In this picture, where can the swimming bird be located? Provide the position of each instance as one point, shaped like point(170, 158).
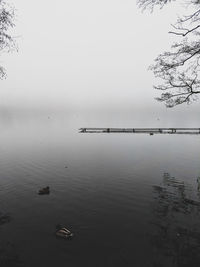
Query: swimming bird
point(44, 191)
point(64, 233)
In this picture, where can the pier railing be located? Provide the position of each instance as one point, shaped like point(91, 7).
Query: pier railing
point(142, 130)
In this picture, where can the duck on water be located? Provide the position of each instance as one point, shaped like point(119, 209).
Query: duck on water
point(63, 232)
point(44, 191)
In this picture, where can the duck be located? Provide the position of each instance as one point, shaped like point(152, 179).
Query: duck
point(64, 233)
point(44, 191)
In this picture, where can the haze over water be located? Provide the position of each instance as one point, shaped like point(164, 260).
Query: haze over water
point(129, 199)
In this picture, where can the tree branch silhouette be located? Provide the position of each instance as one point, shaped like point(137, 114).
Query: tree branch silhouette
point(6, 23)
point(179, 68)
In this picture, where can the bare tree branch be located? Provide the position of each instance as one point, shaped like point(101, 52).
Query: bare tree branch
point(6, 22)
point(179, 68)
point(187, 31)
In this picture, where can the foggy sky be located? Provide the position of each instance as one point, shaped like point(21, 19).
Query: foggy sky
point(85, 54)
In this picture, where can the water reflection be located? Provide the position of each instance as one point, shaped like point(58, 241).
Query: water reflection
point(104, 195)
point(176, 221)
point(8, 256)
point(198, 183)
point(4, 218)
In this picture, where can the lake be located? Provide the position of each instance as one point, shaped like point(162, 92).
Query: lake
point(129, 199)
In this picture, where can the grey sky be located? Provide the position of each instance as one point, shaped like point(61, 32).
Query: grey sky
point(85, 53)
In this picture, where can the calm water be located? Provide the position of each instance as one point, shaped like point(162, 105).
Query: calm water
point(130, 200)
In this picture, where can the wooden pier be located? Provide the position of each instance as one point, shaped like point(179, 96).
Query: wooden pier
point(150, 131)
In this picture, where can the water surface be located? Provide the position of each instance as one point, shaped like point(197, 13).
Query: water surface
point(130, 200)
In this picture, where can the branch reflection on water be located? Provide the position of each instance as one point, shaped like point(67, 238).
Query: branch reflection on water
point(177, 223)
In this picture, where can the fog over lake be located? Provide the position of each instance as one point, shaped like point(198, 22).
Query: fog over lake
point(85, 54)
point(129, 199)
point(124, 196)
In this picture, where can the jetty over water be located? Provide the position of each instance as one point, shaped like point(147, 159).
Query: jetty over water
point(150, 131)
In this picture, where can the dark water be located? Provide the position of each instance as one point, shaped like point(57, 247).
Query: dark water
point(130, 200)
